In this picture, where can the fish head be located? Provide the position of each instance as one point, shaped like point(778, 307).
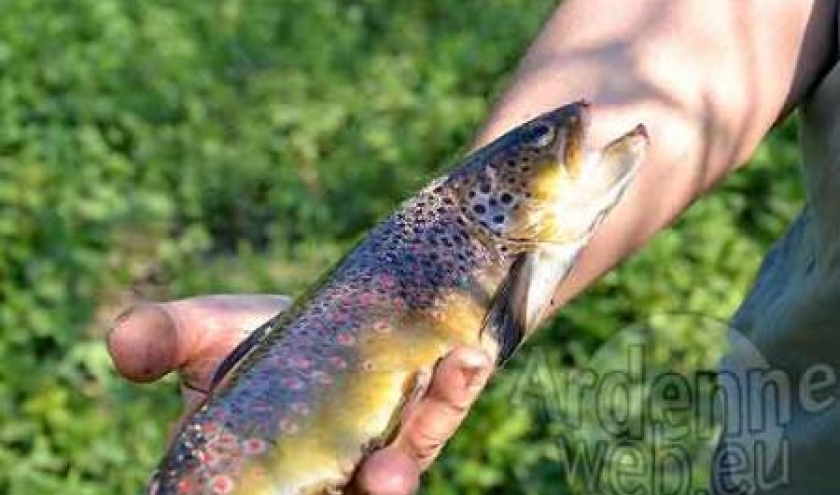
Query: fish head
point(540, 183)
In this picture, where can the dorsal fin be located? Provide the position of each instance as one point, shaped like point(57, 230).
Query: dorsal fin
point(241, 351)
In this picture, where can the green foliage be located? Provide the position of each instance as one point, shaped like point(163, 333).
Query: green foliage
point(186, 147)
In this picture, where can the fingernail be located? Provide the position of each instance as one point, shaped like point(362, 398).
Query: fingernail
point(118, 320)
point(476, 365)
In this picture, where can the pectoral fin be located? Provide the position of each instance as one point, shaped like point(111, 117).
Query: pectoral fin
point(523, 298)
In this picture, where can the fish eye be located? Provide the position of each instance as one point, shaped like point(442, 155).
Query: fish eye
point(541, 135)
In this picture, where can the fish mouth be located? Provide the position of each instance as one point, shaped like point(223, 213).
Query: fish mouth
point(604, 174)
point(604, 168)
point(618, 161)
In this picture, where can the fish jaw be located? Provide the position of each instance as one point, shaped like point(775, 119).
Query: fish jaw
point(572, 202)
point(581, 203)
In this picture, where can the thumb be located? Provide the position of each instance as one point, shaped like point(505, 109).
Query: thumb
point(150, 340)
point(143, 342)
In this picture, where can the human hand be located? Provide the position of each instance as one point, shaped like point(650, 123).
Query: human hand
point(192, 336)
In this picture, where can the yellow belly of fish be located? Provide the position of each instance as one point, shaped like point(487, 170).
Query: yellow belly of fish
point(364, 411)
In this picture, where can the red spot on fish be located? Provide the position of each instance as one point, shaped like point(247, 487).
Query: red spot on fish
point(337, 362)
point(221, 484)
point(186, 486)
point(206, 457)
point(381, 327)
point(256, 474)
point(225, 444)
point(385, 281)
point(253, 446)
point(300, 362)
point(345, 338)
point(293, 383)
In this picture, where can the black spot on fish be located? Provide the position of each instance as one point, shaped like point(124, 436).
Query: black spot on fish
point(480, 209)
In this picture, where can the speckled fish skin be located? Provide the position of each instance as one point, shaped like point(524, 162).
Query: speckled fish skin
point(320, 386)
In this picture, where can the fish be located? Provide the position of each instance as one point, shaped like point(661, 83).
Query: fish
point(473, 259)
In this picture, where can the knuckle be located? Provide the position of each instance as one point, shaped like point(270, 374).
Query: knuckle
point(458, 406)
point(426, 446)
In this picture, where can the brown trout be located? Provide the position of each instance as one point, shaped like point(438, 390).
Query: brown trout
point(473, 259)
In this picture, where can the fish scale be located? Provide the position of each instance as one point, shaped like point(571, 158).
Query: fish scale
point(297, 406)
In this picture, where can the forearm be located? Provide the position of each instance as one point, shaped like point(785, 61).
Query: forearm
point(707, 77)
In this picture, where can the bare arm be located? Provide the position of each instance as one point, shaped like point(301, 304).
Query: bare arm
point(707, 77)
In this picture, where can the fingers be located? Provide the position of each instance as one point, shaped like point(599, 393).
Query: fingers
point(388, 472)
point(456, 383)
point(192, 335)
point(427, 425)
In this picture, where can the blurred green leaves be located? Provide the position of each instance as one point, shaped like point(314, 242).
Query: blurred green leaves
point(182, 147)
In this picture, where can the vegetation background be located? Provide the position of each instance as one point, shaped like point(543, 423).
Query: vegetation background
point(168, 149)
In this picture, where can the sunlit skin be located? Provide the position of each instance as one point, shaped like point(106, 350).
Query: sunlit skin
point(709, 77)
